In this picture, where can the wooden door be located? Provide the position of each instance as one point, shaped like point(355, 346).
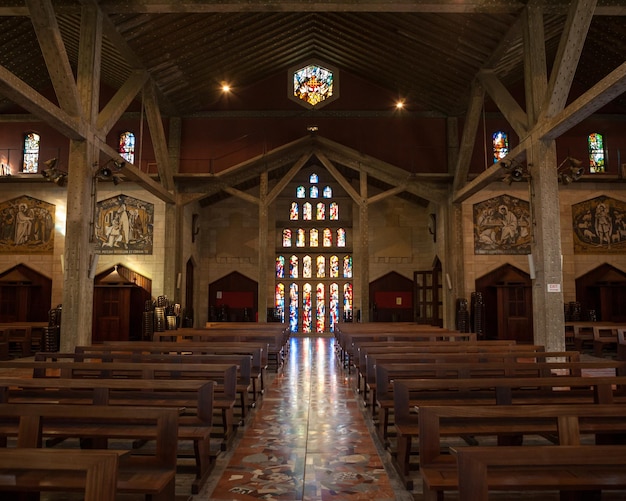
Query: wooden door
point(515, 313)
point(111, 314)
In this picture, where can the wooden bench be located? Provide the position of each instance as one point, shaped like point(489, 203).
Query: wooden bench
point(575, 469)
point(258, 352)
point(442, 427)
point(28, 470)
point(150, 472)
point(193, 397)
point(604, 335)
point(388, 372)
point(415, 393)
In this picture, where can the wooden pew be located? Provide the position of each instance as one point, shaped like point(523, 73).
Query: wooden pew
point(243, 362)
point(258, 352)
point(223, 375)
point(28, 335)
point(193, 397)
point(565, 425)
point(604, 335)
point(386, 372)
point(150, 472)
point(28, 470)
point(416, 393)
point(575, 469)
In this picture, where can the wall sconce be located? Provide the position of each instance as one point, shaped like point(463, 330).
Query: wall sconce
point(195, 227)
point(52, 174)
point(570, 170)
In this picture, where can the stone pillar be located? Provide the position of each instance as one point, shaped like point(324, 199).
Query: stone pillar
point(263, 285)
point(548, 317)
point(364, 251)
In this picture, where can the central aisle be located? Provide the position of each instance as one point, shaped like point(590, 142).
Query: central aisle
point(308, 439)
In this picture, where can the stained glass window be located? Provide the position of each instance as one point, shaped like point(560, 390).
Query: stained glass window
point(313, 238)
point(293, 307)
point(347, 301)
point(307, 211)
point(306, 308)
point(321, 211)
point(334, 267)
point(300, 239)
point(328, 192)
point(595, 142)
point(127, 146)
point(334, 211)
point(300, 192)
point(314, 192)
point(313, 84)
point(320, 316)
point(347, 267)
point(31, 153)
point(286, 237)
point(328, 237)
point(280, 267)
point(341, 237)
point(313, 178)
point(334, 305)
point(293, 267)
point(321, 266)
point(500, 145)
point(293, 212)
point(279, 301)
point(307, 267)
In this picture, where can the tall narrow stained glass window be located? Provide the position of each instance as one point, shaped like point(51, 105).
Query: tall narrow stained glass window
point(328, 192)
point(313, 237)
point(301, 238)
point(127, 146)
point(321, 267)
point(334, 305)
point(293, 267)
point(320, 312)
point(347, 301)
point(286, 237)
point(279, 301)
point(307, 211)
point(500, 142)
point(307, 267)
point(31, 153)
point(280, 267)
point(293, 307)
point(333, 208)
point(328, 237)
point(307, 314)
point(334, 267)
point(293, 212)
point(595, 144)
point(347, 267)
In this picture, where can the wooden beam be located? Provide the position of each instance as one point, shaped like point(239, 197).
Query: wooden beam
point(506, 103)
point(386, 194)
point(53, 50)
point(568, 54)
point(242, 195)
point(286, 179)
point(339, 178)
point(28, 98)
point(119, 103)
point(159, 141)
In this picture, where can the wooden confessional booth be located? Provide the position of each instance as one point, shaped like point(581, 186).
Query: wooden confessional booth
point(603, 292)
point(24, 295)
point(119, 300)
point(508, 304)
point(392, 298)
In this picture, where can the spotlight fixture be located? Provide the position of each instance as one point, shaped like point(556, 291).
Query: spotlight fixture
point(569, 170)
point(506, 164)
point(312, 128)
point(52, 174)
point(106, 172)
point(515, 171)
point(119, 165)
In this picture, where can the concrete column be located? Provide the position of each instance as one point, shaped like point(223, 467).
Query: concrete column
point(364, 251)
point(171, 252)
point(263, 285)
point(76, 327)
point(548, 317)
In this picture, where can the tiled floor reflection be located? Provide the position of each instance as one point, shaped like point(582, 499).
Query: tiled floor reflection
point(308, 440)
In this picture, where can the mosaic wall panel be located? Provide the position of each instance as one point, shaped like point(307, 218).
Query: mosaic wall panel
point(124, 225)
point(502, 226)
point(599, 226)
point(27, 226)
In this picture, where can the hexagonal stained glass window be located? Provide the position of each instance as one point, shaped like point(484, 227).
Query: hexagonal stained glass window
point(313, 85)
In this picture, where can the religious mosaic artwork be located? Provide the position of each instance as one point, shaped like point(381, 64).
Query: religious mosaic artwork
point(599, 226)
point(502, 226)
point(27, 226)
point(124, 225)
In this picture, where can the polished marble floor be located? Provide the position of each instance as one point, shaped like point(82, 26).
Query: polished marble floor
point(308, 440)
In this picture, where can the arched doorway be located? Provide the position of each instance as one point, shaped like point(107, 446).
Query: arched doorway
point(603, 291)
point(507, 295)
point(392, 298)
point(119, 300)
point(25, 295)
point(189, 296)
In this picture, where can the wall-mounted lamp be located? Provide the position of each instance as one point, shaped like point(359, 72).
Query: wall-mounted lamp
point(106, 172)
point(52, 174)
point(432, 226)
point(195, 227)
point(570, 170)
